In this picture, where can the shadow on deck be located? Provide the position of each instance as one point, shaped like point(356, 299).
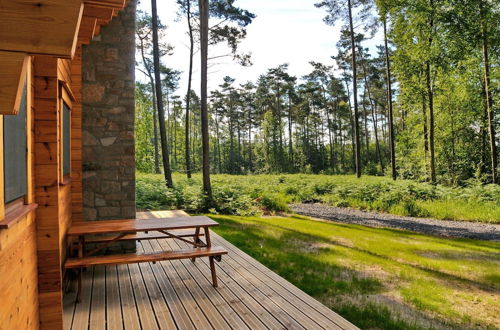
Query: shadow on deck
point(178, 294)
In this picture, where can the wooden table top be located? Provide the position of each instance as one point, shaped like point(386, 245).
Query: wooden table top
point(135, 225)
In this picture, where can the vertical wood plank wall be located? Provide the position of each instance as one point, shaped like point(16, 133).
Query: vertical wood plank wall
point(76, 137)
point(47, 191)
point(33, 250)
point(54, 199)
point(18, 260)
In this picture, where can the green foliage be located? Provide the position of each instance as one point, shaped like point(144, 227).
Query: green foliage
point(251, 194)
point(378, 278)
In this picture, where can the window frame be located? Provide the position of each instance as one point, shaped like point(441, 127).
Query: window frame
point(65, 98)
point(12, 212)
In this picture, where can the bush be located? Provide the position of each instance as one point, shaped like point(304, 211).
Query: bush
point(273, 202)
point(238, 195)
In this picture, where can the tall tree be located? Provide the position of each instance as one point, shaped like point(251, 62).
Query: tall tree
point(337, 10)
point(144, 46)
point(159, 98)
point(207, 188)
point(185, 6)
point(392, 142)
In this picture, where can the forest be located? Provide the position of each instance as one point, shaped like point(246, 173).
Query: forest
point(370, 182)
point(421, 105)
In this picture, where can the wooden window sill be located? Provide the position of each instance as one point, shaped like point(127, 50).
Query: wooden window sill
point(16, 215)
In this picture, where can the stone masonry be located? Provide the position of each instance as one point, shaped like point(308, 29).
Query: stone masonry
point(108, 120)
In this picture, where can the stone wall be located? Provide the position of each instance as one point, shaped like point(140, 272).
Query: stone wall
point(108, 120)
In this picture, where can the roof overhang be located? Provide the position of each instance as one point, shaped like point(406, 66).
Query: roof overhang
point(13, 68)
point(40, 26)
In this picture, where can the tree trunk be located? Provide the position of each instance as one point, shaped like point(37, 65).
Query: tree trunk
point(365, 120)
point(290, 134)
point(207, 187)
point(155, 124)
point(430, 95)
point(489, 99)
point(250, 164)
point(355, 95)
point(426, 133)
point(155, 128)
point(392, 144)
point(219, 157)
point(188, 94)
point(159, 98)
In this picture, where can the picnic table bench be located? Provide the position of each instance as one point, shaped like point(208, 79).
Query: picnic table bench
point(105, 233)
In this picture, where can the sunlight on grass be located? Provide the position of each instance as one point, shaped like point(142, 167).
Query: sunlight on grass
point(378, 278)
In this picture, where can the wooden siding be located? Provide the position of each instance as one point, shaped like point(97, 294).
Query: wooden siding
point(18, 254)
point(18, 266)
point(33, 248)
point(76, 137)
point(47, 191)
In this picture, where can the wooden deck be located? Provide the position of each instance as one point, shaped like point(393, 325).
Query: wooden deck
point(178, 295)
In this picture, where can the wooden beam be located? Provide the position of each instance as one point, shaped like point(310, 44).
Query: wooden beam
point(87, 29)
point(98, 12)
point(117, 4)
point(13, 69)
point(40, 26)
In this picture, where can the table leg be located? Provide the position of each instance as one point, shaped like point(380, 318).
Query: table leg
point(211, 259)
point(207, 236)
point(212, 269)
point(196, 239)
point(81, 247)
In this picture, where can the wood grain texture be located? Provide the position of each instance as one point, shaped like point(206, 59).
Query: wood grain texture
point(46, 189)
point(40, 26)
point(13, 71)
point(132, 225)
point(18, 253)
point(130, 258)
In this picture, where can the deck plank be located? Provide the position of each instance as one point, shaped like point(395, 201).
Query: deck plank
point(277, 280)
point(144, 307)
point(114, 317)
point(98, 305)
point(178, 294)
point(227, 311)
point(82, 309)
point(213, 314)
point(160, 307)
point(192, 308)
point(129, 309)
point(179, 314)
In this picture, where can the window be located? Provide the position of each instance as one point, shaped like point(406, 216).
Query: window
point(66, 140)
point(15, 153)
point(65, 113)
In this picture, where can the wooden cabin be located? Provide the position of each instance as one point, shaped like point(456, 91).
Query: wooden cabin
point(43, 115)
point(67, 155)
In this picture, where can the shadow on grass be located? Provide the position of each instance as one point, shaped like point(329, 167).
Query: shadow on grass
point(289, 254)
point(297, 257)
point(489, 287)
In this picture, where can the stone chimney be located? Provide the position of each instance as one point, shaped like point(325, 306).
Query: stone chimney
point(108, 120)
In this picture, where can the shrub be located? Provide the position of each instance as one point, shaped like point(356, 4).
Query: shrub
point(274, 202)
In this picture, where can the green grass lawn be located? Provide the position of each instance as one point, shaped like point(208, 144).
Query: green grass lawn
point(250, 194)
point(378, 278)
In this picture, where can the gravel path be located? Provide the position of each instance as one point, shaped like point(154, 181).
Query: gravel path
point(461, 229)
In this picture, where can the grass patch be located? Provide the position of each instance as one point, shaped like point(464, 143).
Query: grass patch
point(252, 194)
point(378, 278)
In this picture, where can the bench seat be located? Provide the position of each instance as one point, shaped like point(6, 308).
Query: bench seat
point(130, 258)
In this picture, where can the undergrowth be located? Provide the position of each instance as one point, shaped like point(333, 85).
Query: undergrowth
point(256, 194)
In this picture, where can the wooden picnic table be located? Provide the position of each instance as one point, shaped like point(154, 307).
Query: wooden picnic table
point(106, 233)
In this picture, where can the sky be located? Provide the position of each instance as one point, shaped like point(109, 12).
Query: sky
point(284, 31)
